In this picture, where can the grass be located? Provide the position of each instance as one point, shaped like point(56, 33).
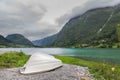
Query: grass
point(13, 59)
point(100, 71)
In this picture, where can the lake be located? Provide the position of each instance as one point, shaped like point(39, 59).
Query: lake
point(97, 54)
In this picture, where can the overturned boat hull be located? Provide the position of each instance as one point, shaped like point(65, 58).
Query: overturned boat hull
point(40, 63)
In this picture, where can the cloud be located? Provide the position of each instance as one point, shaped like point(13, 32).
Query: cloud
point(25, 17)
point(18, 17)
point(89, 4)
point(41, 30)
point(36, 19)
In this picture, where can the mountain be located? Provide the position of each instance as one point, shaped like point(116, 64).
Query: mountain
point(19, 39)
point(45, 41)
point(5, 42)
point(96, 27)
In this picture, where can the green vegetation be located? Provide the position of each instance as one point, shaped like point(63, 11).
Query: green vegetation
point(101, 71)
point(118, 31)
point(13, 59)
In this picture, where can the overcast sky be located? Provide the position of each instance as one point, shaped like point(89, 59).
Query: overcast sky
point(36, 19)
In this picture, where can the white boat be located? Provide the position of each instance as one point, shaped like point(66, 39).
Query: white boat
point(40, 62)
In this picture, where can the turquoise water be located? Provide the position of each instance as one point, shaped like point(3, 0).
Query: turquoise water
point(104, 55)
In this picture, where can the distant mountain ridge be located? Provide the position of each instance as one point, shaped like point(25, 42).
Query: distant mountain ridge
point(19, 39)
point(45, 41)
point(15, 40)
point(5, 42)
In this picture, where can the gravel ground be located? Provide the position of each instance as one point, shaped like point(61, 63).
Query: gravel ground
point(66, 72)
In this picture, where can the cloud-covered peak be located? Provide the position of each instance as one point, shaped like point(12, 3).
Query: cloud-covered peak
point(89, 4)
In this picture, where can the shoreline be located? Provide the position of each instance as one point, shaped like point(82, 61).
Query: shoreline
point(3, 52)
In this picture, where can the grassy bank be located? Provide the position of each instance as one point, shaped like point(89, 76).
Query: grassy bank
point(100, 71)
point(13, 59)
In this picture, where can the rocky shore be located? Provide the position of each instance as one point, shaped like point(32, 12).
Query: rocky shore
point(67, 72)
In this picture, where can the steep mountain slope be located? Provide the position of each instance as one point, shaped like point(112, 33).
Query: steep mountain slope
point(95, 27)
point(19, 39)
point(45, 41)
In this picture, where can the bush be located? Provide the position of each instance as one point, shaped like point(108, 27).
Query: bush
point(13, 59)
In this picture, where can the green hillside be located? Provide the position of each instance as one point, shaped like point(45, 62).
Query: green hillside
point(45, 41)
point(14, 41)
point(4, 42)
point(19, 39)
point(95, 28)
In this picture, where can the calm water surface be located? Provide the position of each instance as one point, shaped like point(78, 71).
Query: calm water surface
point(106, 55)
